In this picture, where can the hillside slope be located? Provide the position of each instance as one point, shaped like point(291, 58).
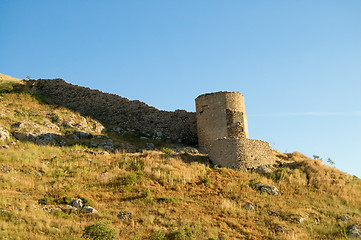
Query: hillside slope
point(53, 159)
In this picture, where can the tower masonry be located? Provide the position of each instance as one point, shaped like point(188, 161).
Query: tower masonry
point(220, 115)
point(223, 132)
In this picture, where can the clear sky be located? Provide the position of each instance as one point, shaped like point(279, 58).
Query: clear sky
point(298, 63)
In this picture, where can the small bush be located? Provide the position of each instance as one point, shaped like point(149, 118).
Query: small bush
point(254, 183)
point(66, 200)
point(166, 151)
point(206, 180)
point(158, 235)
point(277, 175)
point(40, 98)
point(188, 233)
point(99, 231)
point(86, 201)
point(147, 194)
point(127, 181)
point(166, 199)
point(6, 88)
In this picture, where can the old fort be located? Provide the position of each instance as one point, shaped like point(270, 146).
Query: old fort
point(219, 126)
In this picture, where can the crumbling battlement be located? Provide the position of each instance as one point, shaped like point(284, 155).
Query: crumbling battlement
point(223, 132)
point(120, 112)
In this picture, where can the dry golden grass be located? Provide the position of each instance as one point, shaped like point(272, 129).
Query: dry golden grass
point(172, 193)
point(5, 78)
point(165, 193)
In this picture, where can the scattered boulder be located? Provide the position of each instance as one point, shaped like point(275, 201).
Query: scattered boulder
point(302, 219)
point(124, 216)
point(354, 231)
point(51, 126)
point(78, 122)
point(150, 146)
point(269, 189)
point(82, 135)
point(51, 208)
point(272, 213)
point(263, 169)
point(73, 137)
point(191, 150)
point(6, 169)
point(280, 229)
point(89, 209)
point(345, 218)
point(107, 146)
point(32, 132)
point(4, 134)
point(76, 202)
point(68, 208)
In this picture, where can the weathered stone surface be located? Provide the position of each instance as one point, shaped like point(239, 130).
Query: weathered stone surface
point(271, 190)
point(52, 208)
point(223, 133)
point(280, 229)
point(28, 131)
point(263, 170)
point(120, 112)
point(354, 231)
point(89, 209)
point(124, 216)
point(4, 134)
point(76, 202)
point(150, 146)
point(219, 115)
point(241, 153)
point(345, 218)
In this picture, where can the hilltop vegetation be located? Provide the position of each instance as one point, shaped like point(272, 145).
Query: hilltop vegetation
point(169, 192)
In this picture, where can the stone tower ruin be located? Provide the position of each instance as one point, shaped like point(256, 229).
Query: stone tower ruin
point(223, 132)
point(220, 115)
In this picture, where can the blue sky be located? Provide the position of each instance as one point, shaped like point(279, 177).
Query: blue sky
point(298, 63)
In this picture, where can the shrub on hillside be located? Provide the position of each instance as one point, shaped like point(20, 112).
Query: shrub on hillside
point(6, 88)
point(99, 231)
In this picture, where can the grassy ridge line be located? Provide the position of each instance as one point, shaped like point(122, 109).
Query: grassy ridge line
point(5, 78)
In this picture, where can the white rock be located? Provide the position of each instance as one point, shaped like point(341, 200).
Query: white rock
point(4, 134)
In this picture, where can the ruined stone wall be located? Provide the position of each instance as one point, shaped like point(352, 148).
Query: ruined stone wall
point(120, 112)
point(219, 115)
point(241, 153)
point(223, 132)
